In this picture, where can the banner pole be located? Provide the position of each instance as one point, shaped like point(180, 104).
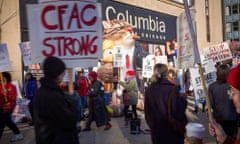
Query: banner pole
point(70, 82)
point(197, 57)
point(205, 92)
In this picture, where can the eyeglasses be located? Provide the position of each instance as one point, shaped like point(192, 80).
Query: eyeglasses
point(233, 92)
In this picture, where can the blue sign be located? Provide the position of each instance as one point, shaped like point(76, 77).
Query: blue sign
point(152, 27)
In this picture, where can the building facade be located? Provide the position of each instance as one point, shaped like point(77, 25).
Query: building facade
point(231, 17)
point(209, 19)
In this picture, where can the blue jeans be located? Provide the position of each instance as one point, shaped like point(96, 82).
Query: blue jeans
point(106, 98)
point(82, 104)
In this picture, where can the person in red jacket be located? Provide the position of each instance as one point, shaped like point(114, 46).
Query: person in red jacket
point(215, 129)
point(8, 95)
point(83, 85)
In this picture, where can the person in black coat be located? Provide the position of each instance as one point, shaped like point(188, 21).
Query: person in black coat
point(96, 106)
point(55, 112)
point(163, 131)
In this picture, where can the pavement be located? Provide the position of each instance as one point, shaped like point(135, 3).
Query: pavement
point(118, 134)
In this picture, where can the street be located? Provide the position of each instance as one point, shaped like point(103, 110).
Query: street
point(118, 134)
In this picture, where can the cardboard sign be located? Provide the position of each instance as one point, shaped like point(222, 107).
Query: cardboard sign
point(197, 83)
point(70, 30)
point(5, 64)
point(161, 59)
point(147, 68)
point(26, 51)
point(218, 52)
point(117, 57)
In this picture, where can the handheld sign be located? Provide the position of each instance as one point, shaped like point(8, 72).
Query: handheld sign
point(218, 52)
point(117, 57)
point(197, 57)
point(26, 51)
point(70, 30)
point(5, 64)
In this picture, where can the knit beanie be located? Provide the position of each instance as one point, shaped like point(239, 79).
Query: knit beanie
point(234, 77)
point(94, 75)
point(53, 67)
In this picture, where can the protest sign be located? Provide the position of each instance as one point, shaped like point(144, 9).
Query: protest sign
point(5, 64)
point(218, 52)
point(70, 30)
point(117, 56)
point(26, 51)
point(147, 68)
point(197, 83)
point(186, 56)
point(161, 59)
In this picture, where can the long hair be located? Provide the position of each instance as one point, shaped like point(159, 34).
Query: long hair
point(222, 73)
point(160, 72)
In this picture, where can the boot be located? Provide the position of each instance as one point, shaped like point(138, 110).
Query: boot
point(107, 126)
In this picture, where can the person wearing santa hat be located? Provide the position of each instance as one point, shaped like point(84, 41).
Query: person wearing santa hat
point(234, 94)
point(131, 94)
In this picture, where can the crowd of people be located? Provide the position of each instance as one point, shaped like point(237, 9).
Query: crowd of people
point(55, 112)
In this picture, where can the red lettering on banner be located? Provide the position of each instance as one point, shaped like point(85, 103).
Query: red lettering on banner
point(43, 15)
point(93, 20)
point(67, 45)
point(61, 11)
point(74, 15)
point(78, 15)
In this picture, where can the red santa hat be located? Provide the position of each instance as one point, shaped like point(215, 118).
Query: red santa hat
point(131, 72)
point(234, 77)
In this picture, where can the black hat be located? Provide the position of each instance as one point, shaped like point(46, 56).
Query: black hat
point(53, 67)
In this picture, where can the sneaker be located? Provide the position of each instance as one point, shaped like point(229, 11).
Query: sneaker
point(16, 137)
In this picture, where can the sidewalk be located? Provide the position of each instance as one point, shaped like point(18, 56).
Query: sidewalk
point(118, 134)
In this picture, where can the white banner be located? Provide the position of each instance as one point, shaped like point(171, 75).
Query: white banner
point(186, 57)
point(5, 64)
point(26, 51)
point(70, 30)
point(218, 52)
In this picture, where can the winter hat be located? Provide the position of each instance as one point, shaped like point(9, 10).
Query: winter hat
point(234, 77)
point(131, 73)
point(53, 67)
point(93, 74)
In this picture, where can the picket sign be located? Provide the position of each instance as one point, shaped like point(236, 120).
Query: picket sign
point(197, 58)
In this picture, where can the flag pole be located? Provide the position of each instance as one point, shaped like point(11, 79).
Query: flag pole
point(197, 58)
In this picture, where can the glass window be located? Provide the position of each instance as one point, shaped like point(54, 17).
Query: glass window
point(234, 1)
point(235, 17)
point(226, 2)
point(227, 10)
point(235, 9)
point(228, 27)
point(229, 36)
point(235, 34)
point(235, 26)
point(228, 18)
